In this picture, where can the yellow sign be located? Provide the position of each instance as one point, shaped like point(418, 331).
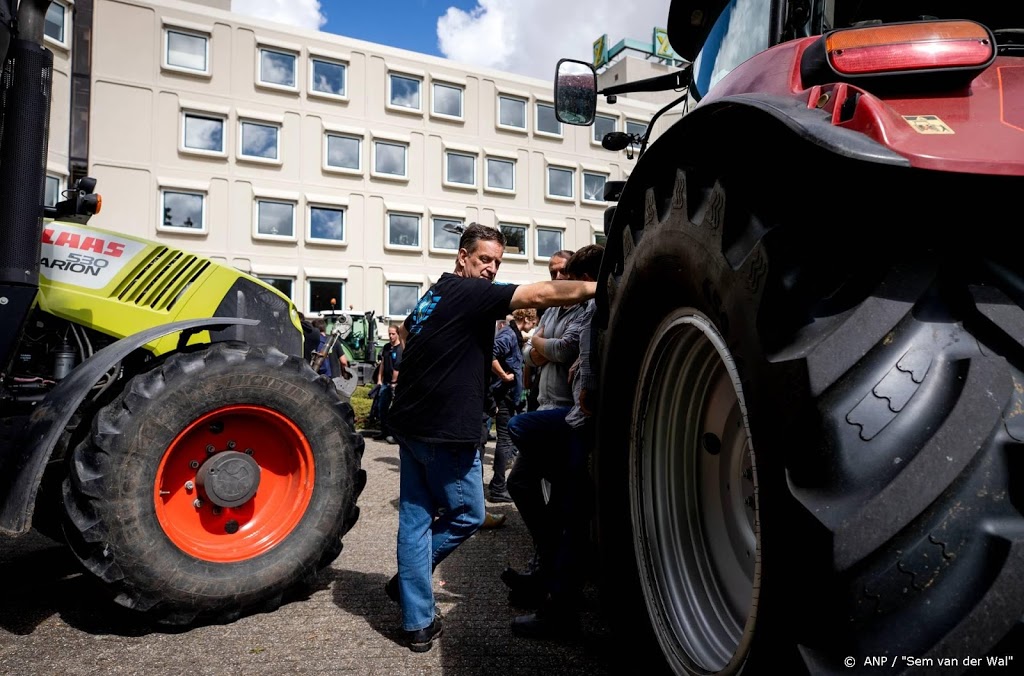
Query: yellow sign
point(600, 51)
point(928, 124)
point(662, 47)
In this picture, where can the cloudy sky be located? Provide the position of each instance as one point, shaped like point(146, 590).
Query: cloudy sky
point(519, 36)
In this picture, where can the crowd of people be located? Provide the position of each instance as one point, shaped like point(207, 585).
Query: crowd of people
point(476, 353)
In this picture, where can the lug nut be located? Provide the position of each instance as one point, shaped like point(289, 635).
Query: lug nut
point(197, 503)
point(231, 444)
point(189, 486)
point(248, 451)
point(194, 464)
point(210, 449)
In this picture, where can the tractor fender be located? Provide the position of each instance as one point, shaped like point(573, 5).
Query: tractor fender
point(24, 466)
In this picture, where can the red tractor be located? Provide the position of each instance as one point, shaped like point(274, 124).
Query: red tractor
point(810, 450)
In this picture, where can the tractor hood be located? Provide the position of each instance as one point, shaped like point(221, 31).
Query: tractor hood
point(119, 285)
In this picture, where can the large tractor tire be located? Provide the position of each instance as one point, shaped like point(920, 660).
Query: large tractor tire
point(810, 436)
point(214, 483)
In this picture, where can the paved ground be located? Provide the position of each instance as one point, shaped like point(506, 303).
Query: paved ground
point(54, 621)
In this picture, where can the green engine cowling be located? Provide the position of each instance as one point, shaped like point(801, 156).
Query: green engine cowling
point(120, 285)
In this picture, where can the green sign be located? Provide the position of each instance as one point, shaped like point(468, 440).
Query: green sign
point(601, 51)
point(662, 47)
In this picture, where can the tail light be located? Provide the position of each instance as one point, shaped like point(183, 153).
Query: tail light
point(952, 51)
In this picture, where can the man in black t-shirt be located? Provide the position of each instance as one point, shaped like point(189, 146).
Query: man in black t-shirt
point(436, 413)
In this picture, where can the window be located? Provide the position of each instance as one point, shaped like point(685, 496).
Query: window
point(52, 193)
point(547, 123)
point(593, 186)
point(447, 100)
point(402, 299)
point(259, 140)
point(501, 174)
point(560, 182)
point(203, 133)
point(403, 230)
point(322, 292)
point(441, 238)
point(183, 210)
point(637, 128)
point(54, 23)
point(724, 50)
point(515, 239)
point(327, 77)
point(186, 51)
point(343, 152)
point(275, 219)
point(404, 92)
point(603, 125)
point(327, 224)
point(549, 240)
point(512, 112)
point(282, 284)
point(460, 169)
point(390, 159)
point(277, 68)
point(600, 238)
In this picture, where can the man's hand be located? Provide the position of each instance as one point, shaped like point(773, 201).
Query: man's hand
point(509, 377)
point(584, 406)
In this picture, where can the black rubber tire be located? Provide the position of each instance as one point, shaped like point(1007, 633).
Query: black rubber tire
point(111, 522)
point(881, 384)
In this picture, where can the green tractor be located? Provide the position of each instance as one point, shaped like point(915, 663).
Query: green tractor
point(156, 411)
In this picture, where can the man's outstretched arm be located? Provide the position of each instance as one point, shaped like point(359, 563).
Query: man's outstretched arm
point(550, 293)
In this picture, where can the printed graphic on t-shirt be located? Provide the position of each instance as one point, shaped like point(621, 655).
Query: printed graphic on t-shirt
point(422, 311)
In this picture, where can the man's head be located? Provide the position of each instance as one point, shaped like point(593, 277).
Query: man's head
point(319, 324)
point(480, 252)
point(525, 318)
point(393, 335)
point(556, 264)
point(585, 264)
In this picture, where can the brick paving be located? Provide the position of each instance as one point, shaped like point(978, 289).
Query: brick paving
point(53, 620)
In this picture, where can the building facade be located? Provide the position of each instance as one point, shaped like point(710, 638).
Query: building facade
point(330, 167)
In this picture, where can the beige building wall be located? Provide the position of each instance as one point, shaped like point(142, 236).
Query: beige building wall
point(149, 104)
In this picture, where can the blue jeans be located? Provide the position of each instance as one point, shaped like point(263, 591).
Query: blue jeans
point(437, 480)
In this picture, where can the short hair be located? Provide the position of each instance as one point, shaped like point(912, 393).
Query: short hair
point(585, 262)
point(524, 314)
point(475, 232)
point(563, 253)
point(319, 324)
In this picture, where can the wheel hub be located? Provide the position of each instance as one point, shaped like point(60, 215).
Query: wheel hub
point(229, 478)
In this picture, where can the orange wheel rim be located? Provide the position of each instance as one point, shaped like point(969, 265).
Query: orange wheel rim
point(281, 459)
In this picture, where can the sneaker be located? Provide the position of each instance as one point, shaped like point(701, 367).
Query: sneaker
point(390, 439)
point(493, 521)
point(498, 496)
point(422, 640)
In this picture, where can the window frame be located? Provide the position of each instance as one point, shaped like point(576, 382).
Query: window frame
point(387, 297)
point(583, 183)
point(161, 206)
point(388, 213)
point(388, 94)
point(60, 188)
point(343, 284)
point(260, 82)
point(269, 279)
point(384, 175)
point(487, 181)
point(525, 255)
point(206, 115)
point(256, 234)
point(525, 129)
point(434, 218)
point(312, 74)
point(166, 63)
point(547, 183)
point(536, 121)
point(66, 28)
point(242, 121)
point(461, 117)
point(536, 240)
point(446, 179)
point(317, 204)
point(358, 138)
point(594, 140)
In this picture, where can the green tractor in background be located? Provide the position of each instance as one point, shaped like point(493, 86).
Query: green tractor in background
point(156, 411)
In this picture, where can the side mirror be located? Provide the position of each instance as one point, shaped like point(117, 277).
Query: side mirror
point(575, 92)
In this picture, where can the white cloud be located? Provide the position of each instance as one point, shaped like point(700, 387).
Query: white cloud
point(529, 36)
point(300, 13)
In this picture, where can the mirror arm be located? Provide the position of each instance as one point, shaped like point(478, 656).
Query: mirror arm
point(652, 84)
point(650, 125)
